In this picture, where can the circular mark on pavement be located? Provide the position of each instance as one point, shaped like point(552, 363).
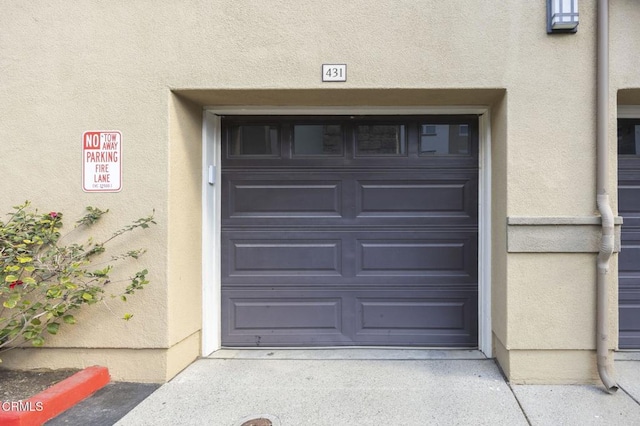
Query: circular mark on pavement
point(259, 420)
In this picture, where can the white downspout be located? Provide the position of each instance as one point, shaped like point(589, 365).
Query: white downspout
point(602, 197)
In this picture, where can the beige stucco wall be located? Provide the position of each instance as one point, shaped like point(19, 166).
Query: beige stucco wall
point(184, 220)
point(499, 288)
point(147, 69)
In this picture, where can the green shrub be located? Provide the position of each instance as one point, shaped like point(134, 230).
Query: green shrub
point(43, 282)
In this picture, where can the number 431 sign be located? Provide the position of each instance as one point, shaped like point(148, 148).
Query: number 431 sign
point(334, 72)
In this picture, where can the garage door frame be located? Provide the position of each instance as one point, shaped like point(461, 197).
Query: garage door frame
point(211, 206)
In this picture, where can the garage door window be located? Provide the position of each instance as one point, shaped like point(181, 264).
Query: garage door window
point(629, 137)
point(314, 139)
point(381, 140)
point(254, 140)
point(444, 139)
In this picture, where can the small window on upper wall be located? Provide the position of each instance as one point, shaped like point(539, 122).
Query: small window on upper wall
point(317, 139)
point(444, 139)
point(628, 137)
point(263, 140)
point(380, 139)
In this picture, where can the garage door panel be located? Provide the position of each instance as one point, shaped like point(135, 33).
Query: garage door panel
point(291, 317)
point(629, 340)
point(424, 257)
point(448, 318)
point(411, 314)
point(628, 282)
point(629, 257)
point(417, 198)
point(286, 313)
point(285, 257)
point(359, 198)
point(339, 257)
point(630, 192)
point(299, 317)
point(629, 314)
point(629, 207)
point(273, 198)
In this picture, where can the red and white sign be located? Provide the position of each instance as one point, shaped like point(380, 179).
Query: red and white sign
point(102, 161)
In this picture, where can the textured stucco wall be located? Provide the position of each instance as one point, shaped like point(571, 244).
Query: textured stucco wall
point(184, 220)
point(624, 44)
point(499, 196)
point(65, 69)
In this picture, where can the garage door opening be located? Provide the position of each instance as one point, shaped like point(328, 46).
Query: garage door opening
point(349, 231)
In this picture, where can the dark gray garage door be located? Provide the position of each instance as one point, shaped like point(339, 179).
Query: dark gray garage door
point(629, 208)
point(349, 231)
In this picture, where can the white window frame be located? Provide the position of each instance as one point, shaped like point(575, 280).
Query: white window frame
point(211, 207)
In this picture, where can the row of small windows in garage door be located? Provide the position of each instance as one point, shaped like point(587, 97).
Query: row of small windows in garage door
point(305, 139)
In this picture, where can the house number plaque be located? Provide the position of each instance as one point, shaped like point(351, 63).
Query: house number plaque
point(334, 72)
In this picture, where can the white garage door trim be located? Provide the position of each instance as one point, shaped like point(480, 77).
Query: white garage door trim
point(211, 202)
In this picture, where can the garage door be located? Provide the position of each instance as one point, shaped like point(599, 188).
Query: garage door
point(354, 231)
point(629, 209)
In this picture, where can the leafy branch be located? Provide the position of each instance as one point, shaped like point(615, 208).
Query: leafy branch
point(43, 282)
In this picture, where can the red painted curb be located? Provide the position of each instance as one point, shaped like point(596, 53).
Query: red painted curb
point(53, 401)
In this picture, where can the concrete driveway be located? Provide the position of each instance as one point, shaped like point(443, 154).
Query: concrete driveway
point(371, 387)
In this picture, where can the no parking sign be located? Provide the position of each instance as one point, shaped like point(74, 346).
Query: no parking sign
point(102, 161)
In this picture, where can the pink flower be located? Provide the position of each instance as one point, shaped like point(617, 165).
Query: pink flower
point(15, 283)
point(53, 215)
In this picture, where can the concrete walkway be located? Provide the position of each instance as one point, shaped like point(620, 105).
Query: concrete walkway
point(365, 387)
